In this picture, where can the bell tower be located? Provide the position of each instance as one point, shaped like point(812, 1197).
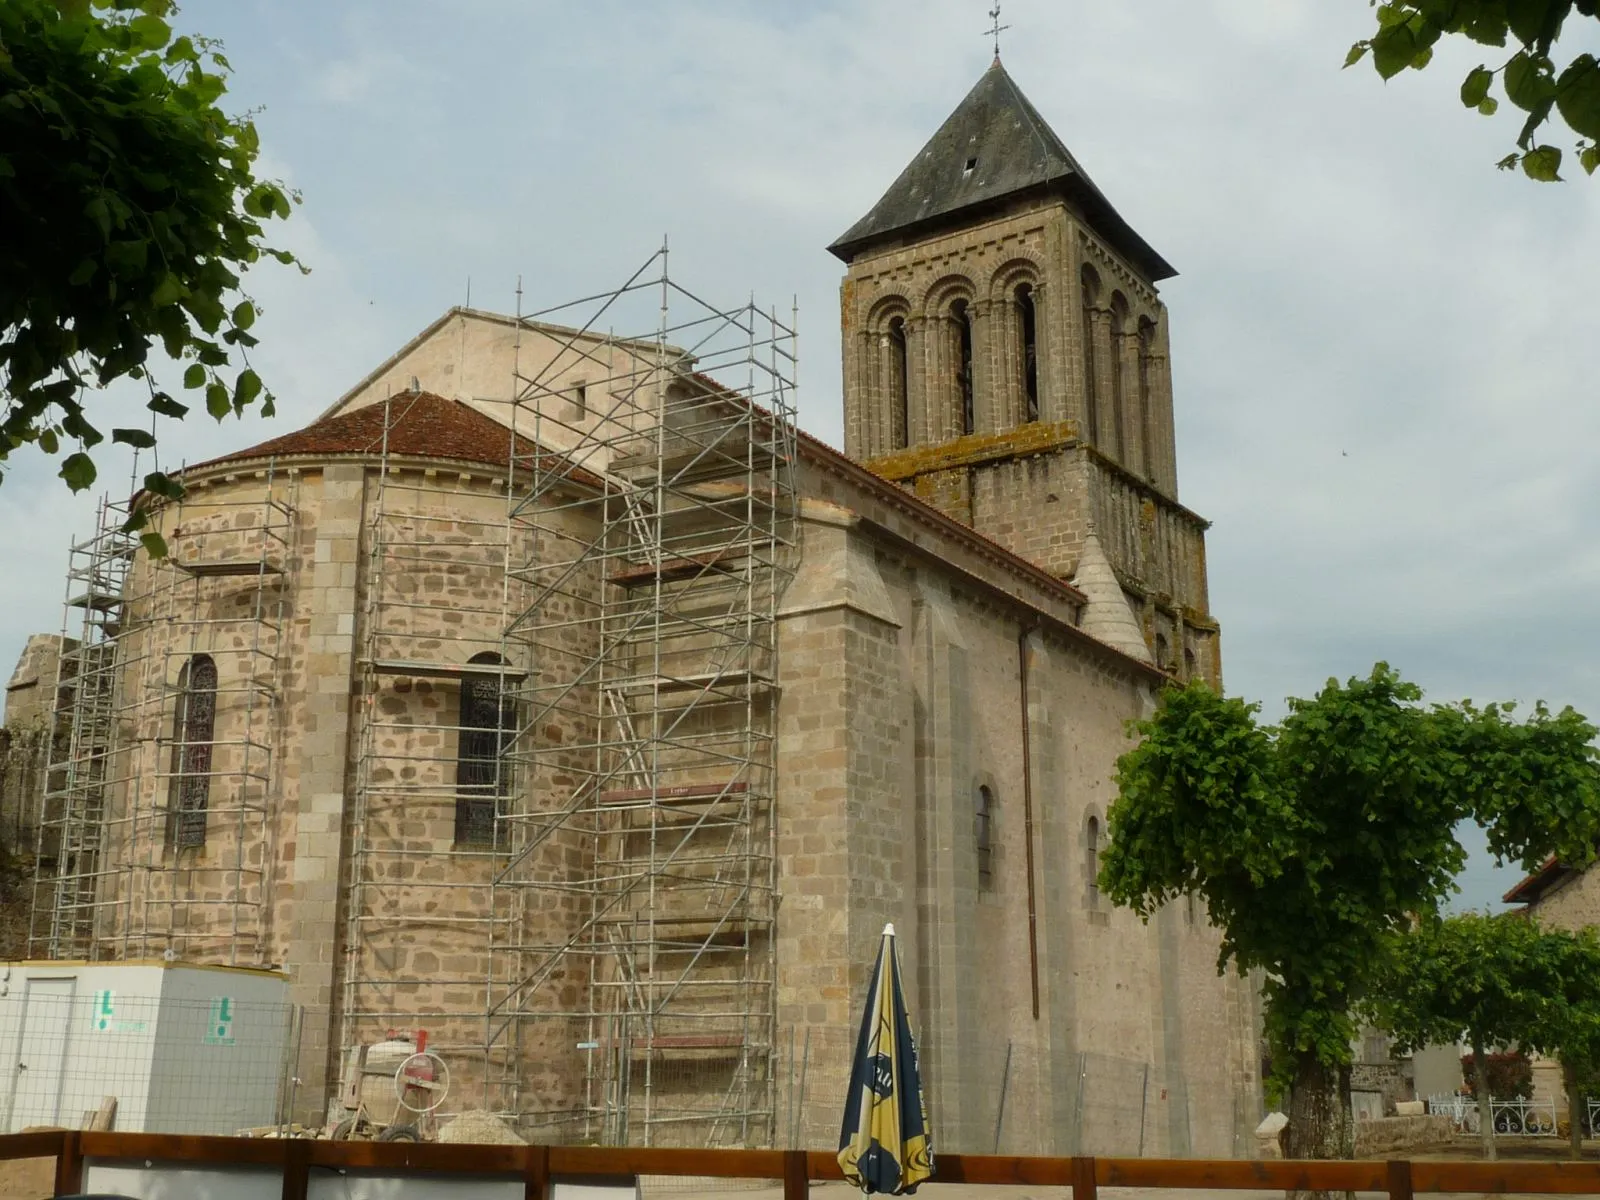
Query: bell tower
point(1005, 358)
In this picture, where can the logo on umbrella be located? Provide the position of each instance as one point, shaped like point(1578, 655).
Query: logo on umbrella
point(881, 1074)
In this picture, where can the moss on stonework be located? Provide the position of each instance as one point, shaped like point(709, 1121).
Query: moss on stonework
point(1037, 437)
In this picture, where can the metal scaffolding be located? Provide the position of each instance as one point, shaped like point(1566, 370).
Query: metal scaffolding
point(632, 902)
point(156, 833)
point(72, 809)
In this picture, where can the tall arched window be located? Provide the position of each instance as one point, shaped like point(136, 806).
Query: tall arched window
point(984, 836)
point(1091, 862)
point(899, 385)
point(1188, 664)
point(194, 722)
point(1163, 652)
point(961, 315)
point(1091, 399)
point(486, 725)
point(1028, 331)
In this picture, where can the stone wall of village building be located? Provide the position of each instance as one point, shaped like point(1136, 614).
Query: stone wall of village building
point(1574, 903)
point(901, 700)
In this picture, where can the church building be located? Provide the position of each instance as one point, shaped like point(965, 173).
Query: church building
point(553, 693)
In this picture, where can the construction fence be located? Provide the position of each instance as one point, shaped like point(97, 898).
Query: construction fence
point(149, 1065)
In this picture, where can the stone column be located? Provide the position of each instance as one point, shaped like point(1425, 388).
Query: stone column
point(842, 807)
point(940, 390)
point(919, 355)
point(949, 991)
point(1052, 386)
point(991, 383)
point(318, 820)
point(1109, 423)
point(861, 399)
point(1159, 372)
point(1055, 826)
point(1133, 448)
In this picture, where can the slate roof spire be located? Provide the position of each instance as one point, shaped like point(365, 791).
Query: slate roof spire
point(993, 147)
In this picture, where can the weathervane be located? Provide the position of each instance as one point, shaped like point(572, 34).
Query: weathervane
point(996, 29)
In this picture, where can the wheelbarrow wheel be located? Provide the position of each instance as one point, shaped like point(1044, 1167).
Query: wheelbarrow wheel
point(400, 1133)
point(350, 1129)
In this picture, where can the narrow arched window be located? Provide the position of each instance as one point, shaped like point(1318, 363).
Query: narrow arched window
point(1091, 862)
point(1091, 398)
point(961, 314)
point(984, 836)
point(899, 386)
point(1163, 652)
point(486, 726)
point(1188, 664)
point(194, 722)
point(1028, 332)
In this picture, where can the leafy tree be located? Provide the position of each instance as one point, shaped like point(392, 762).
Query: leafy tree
point(130, 206)
point(1315, 841)
point(1529, 74)
point(1569, 1025)
point(1479, 979)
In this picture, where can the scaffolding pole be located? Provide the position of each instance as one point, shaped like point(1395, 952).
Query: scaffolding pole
point(631, 992)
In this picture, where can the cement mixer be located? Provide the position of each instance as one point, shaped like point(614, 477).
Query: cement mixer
point(399, 1075)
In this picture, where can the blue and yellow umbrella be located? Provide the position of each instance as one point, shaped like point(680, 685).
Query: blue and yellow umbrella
point(883, 1144)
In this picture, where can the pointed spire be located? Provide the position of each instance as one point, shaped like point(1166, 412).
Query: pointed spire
point(994, 146)
point(1107, 617)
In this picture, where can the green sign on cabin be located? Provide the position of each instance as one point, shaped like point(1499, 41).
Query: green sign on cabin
point(220, 1031)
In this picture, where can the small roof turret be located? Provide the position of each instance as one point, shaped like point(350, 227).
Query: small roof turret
point(993, 147)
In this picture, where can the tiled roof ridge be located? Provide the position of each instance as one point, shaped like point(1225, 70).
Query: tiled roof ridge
point(461, 433)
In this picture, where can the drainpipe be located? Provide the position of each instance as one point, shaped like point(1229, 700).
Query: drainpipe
point(1027, 815)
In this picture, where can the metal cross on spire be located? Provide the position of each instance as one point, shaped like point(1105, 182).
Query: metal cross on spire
point(996, 29)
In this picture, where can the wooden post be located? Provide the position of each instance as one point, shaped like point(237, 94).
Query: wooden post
point(296, 1168)
point(536, 1173)
point(69, 1164)
point(796, 1175)
point(1084, 1186)
point(1399, 1179)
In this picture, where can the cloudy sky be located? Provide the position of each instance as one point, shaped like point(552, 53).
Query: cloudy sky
point(1382, 346)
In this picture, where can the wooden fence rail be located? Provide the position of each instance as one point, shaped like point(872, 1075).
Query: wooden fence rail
point(536, 1165)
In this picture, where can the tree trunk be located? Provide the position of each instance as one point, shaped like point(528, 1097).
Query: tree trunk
point(1319, 1116)
point(1480, 1077)
point(1575, 1106)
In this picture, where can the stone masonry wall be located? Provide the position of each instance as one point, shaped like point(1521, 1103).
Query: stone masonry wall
point(935, 690)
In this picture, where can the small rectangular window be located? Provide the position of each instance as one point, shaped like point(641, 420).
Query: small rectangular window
point(580, 400)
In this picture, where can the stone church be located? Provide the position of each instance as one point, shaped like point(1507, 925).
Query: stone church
point(552, 693)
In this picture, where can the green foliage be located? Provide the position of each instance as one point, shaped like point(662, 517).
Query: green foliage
point(1475, 978)
point(1314, 843)
point(1510, 1075)
point(130, 207)
point(1529, 75)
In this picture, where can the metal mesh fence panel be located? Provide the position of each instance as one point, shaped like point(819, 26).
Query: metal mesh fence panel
point(143, 1064)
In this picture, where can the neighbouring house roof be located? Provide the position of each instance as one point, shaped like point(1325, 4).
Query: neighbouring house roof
point(419, 424)
point(994, 146)
point(1534, 888)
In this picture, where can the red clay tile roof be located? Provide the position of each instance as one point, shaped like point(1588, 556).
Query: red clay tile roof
point(1531, 890)
point(424, 425)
